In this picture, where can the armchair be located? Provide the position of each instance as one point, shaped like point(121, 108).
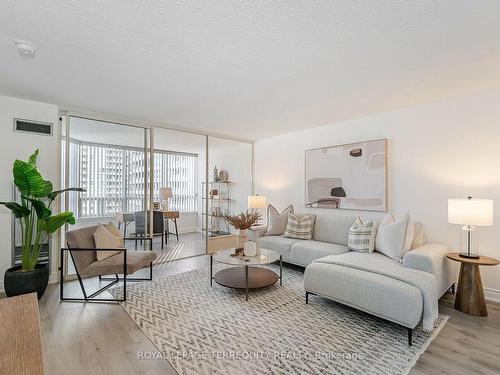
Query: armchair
point(81, 247)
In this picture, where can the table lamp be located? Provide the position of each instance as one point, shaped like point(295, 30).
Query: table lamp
point(165, 194)
point(256, 202)
point(470, 213)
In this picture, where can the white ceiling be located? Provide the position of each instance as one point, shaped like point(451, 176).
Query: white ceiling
point(250, 69)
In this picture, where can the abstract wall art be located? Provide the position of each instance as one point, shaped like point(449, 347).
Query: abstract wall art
point(352, 176)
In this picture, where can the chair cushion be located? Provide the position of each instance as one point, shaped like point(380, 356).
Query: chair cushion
point(305, 252)
point(136, 260)
point(82, 239)
point(278, 243)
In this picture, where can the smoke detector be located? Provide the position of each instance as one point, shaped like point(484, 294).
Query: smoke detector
point(25, 49)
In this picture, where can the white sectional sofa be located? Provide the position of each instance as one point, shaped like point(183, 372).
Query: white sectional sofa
point(376, 291)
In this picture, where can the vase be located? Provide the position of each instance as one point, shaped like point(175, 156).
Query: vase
point(17, 282)
point(242, 237)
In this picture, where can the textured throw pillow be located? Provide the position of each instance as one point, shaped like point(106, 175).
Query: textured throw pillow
point(276, 222)
point(362, 236)
point(394, 237)
point(301, 229)
point(104, 239)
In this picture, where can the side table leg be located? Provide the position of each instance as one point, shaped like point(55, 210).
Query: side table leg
point(211, 267)
point(246, 283)
point(470, 296)
point(281, 270)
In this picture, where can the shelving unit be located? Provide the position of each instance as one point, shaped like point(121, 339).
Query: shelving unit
point(219, 204)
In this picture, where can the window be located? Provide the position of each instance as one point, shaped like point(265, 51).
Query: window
point(113, 177)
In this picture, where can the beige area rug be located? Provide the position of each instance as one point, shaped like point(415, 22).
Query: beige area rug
point(203, 329)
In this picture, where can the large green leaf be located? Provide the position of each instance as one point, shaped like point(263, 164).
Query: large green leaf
point(48, 188)
point(33, 158)
point(18, 210)
point(55, 222)
point(28, 180)
point(40, 208)
point(55, 193)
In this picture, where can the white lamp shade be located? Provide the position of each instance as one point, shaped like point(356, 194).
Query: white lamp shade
point(256, 201)
point(165, 192)
point(470, 211)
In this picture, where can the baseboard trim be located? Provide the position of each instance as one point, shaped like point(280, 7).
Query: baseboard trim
point(492, 295)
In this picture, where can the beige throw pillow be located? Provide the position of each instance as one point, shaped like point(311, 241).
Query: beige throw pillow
point(299, 228)
point(276, 222)
point(104, 239)
point(114, 230)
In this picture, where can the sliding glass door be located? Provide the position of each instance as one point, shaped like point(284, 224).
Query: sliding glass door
point(179, 176)
point(169, 190)
point(111, 162)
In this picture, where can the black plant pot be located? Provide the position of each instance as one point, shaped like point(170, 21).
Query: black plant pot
point(17, 282)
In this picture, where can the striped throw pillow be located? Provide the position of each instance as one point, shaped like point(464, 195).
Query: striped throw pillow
point(362, 236)
point(301, 229)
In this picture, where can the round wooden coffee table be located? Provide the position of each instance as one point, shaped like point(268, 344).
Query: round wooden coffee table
point(246, 274)
point(470, 295)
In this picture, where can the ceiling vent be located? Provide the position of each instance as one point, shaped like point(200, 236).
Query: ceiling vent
point(36, 127)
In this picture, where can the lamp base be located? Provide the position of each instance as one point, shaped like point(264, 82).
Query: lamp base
point(472, 256)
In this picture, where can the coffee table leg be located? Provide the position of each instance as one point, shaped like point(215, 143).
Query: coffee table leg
point(281, 270)
point(211, 266)
point(246, 283)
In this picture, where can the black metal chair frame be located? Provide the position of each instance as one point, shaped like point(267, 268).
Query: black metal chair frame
point(115, 280)
point(410, 330)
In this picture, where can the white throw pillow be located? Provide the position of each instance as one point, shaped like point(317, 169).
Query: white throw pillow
point(104, 239)
point(394, 237)
point(276, 221)
point(362, 236)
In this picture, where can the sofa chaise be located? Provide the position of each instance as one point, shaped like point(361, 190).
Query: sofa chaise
point(383, 287)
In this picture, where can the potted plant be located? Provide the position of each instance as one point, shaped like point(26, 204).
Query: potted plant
point(37, 223)
point(242, 222)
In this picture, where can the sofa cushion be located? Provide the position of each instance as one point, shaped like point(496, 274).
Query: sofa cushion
point(373, 293)
point(280, 244)
point(276, 221)
point(333, 228)
point(305, 252)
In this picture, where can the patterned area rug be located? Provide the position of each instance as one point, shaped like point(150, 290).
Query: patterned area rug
point(212, 330)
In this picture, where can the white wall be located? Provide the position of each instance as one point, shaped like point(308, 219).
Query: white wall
point(235, 158)
point(15, 145)
point(441, 150)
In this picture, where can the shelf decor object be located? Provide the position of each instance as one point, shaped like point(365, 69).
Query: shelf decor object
point(165, 195)
point(470, 213)
point(218, 203)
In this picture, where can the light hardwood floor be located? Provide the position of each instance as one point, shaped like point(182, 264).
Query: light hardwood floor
point(100, 338)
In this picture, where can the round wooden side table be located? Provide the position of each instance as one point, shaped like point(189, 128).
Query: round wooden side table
point(470, 295)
